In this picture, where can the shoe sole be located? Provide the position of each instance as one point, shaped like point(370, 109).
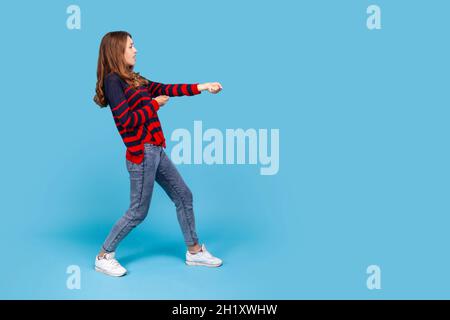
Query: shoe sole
point(108, 273)
point(194, 263)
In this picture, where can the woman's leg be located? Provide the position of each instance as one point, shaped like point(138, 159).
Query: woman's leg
point(142, 177)
point(168, 177)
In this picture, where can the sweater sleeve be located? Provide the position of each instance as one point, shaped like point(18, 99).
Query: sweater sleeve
point(117, 101)
point(172, 90)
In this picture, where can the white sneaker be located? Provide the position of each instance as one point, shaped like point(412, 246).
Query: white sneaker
point(202, 258)
point(109, 265)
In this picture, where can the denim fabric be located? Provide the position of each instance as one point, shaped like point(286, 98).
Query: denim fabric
point(156, 166)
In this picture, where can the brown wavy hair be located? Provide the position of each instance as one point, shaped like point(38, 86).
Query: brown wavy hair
point(111, 59)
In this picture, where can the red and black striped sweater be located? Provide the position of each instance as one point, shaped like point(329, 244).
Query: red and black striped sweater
point(135, 111)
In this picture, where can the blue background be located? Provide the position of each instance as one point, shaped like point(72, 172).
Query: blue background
point(363, 179)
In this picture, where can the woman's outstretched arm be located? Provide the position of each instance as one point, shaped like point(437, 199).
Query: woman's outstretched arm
point(181, 89)
point(172, 90)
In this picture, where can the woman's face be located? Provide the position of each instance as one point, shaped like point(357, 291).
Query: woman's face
point(130, 52)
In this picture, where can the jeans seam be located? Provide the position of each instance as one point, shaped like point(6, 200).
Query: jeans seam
point(184, 210)
point(133, 218)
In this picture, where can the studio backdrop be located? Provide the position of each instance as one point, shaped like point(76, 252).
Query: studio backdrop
point(320, 171)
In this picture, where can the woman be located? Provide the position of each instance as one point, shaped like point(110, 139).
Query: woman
point(134, 102)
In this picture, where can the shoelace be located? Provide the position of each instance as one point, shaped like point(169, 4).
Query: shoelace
point(205, 253)
point(114, 262)
point(111, 261)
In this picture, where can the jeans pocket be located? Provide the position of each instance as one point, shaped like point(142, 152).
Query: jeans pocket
point(134, 167)
point(136, 173)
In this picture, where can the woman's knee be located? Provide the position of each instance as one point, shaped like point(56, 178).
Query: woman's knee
point(136, 216)
point(187, 194)
point(183, 196)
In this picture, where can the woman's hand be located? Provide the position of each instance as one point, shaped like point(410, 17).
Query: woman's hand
point(162, 100)
point(213, 87)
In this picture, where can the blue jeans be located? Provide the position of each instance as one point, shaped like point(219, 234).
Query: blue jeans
point(156, 166)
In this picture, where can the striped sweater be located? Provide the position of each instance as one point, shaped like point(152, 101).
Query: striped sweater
point(135, 111)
